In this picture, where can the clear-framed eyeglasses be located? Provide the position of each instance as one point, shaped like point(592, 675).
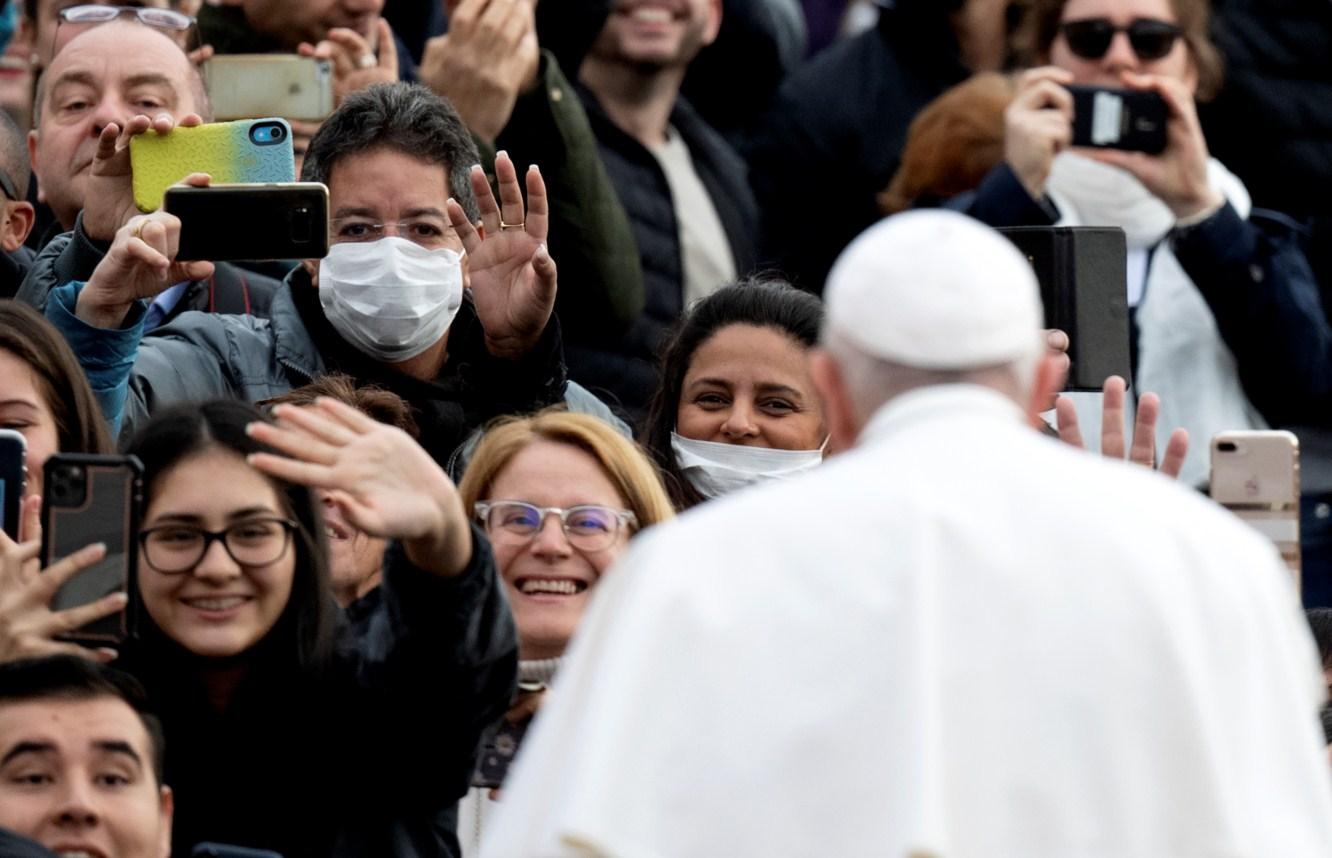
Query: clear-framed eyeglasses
point(75, 19)
point(175, 548)
point(588, 527)
point(428, 230)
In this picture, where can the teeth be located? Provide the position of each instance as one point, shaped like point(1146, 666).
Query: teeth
point(651, 15)
point(216, 604)
point(562, 588)
point(333, 534)
point(75, 855)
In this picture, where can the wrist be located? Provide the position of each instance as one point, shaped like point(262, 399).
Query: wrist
point(94, 307)
point(1197, 207)
point(446, 548)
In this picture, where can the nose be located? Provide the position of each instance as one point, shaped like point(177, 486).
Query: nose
point(216, 565)
point(1120, 56)
point(110, 109)
point(739, 423)
point(76, 808)
point(550, 540)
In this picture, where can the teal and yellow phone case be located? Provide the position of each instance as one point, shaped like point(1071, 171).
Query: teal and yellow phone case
point(249, 151)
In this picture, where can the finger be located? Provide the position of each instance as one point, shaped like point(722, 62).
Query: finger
point(1056, 340)
point(30, 526)
point(511, 195)
point(157, 236)
point(350, 41)
point(296, 444)
point(388, 48)
point(352, 418)
point(62, 622)
point(485, 200)
point(43, 649)
point(201, 54)
point(319, 425)
point(196, 180)
point(198, 270)
point(138, 124)
point(163, 123)
point(300, 473)
point(1112, 417)
point(1066, 421)
point(190, 120)
point(518, 20)
point(463, 18)
point(1143, 447)
point(106, 142)
point(66, 568)
point(344, 63)
point(141, 253)
point(1177, 449)
point(305, 49)
point(538, 206)
point(466, 230)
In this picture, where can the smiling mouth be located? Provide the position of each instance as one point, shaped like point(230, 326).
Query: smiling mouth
point(549, 586)
point(79, 853)
point(336, 532)
point(217, 603)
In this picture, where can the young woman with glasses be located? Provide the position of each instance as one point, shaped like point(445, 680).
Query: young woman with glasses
point(287, 731)
point(1218, 298)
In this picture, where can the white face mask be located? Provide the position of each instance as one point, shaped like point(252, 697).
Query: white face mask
point(390, 298)
point(715, 469)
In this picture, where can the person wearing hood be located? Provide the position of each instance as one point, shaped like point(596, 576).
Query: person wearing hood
point(1227, 323)
point(431, 289)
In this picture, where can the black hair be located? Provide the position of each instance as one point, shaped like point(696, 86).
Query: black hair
point(1320, 623)
point(303, 635)
point(1327, 724)
point(69, 677)
point(80, 426)
point(765, 302)
point(407, 118)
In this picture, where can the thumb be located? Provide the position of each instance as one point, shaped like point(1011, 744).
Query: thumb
point(547, 276)
point(388, 48)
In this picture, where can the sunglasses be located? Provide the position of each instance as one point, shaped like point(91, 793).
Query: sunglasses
point(1090, 38)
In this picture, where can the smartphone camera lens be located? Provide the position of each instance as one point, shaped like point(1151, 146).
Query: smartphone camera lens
point(268, 134)
point(1227, 447)
point(67, 485)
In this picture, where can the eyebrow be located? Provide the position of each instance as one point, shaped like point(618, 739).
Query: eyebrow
point(25, 748)
point(26, 403)
point(191, 518)
point(150, 79)
point(371, 213)
point(118, 747)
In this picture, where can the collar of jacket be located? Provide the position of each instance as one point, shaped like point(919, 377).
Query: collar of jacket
point(943, 402)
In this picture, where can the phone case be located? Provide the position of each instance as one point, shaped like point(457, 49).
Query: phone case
point(288, 221)
point(245, 86)
point(13, 477)
point(1256, 475)
point(1119, 119)
point(228, 151)
point(100, 506)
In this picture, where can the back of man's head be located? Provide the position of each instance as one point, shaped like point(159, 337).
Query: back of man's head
point(930, 298)
point(14, 155)
point(402, 117)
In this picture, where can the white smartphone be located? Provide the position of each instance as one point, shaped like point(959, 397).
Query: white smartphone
point(256, 86)
point(1256, 475)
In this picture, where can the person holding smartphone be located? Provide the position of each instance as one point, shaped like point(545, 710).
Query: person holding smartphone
point(1229, 330)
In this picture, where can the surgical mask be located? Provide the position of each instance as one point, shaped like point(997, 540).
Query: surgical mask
point(716, 469)
point(391, 298)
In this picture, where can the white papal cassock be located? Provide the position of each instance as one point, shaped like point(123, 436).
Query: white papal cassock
point(961, 639)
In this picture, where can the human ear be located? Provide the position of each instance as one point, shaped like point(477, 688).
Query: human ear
point(839, 414)
point(19, 218)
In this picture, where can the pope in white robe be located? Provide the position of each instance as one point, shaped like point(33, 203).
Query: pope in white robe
point(958, 639)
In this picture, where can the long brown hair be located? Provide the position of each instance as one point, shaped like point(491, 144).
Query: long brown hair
point(80, 426)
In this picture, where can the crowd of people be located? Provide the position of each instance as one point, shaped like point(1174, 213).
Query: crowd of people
point(669, 456)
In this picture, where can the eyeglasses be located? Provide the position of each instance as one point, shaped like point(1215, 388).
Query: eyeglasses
point(588, 527)
point(167, 20)
point(1150, 38)
point(174, 548)
point(427, 231)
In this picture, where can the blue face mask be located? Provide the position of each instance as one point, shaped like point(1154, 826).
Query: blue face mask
point(8, 23)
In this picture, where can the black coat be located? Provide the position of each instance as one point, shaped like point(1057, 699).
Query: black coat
point(625, 367)
point(832, 139)
point(365, 758)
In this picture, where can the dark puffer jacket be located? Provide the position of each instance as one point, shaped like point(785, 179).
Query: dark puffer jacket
point(623, 369)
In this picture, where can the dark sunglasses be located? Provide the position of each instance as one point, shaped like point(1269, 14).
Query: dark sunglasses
point(1090, 38)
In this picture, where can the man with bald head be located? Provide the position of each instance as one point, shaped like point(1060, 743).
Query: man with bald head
point(957, 638)
point(88, 100)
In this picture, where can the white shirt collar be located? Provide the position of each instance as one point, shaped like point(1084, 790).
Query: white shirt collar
point(939, 402)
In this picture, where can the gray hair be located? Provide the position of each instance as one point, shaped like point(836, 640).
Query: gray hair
point(405, 117)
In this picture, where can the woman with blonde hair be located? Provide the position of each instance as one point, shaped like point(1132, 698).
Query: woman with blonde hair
point(559, 494)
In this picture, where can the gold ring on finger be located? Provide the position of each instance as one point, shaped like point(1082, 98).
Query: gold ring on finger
point(137, 232)
point(522, 224)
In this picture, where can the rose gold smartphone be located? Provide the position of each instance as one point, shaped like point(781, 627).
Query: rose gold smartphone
point(1256, 475)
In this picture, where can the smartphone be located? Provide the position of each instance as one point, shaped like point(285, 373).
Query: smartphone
point(88, 499)
point(13, 478)
point(1256, 475)
point(251, 222)
point(250, 86)
point(253, 151)
point(221, 850)
point(1133, 120)
point(497, 753)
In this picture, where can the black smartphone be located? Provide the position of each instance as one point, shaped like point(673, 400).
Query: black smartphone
point(88, 499)
point(221, 850)
point(1133, 120)
point(13, 478)
point(497, 753)
point(251, 222)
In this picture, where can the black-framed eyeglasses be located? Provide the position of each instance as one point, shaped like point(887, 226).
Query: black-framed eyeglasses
point(1150, 38)
point(588, 527)
point(8, 187)
point(169, 21)
point(175, 548)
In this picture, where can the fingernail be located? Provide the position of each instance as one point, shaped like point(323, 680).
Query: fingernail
point(476, 168)
point(502, 153)
point(534, 169)
point(120, 598)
